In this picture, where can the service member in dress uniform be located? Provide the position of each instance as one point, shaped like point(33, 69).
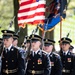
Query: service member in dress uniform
point(1, 47)
point(15, 44)
point(12, 63)
point(56, 65)
point(27, 45)
point(68, 58)
point(15, 40)
point(38, 61)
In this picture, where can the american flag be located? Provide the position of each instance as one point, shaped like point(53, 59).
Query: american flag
point(31, 12)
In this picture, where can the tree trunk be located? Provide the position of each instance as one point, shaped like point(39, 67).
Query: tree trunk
point(22, 32)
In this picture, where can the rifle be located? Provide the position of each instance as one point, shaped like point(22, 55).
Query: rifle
point(28, 51)
point(11, 22)
point(18, 30)
point(68, 34)
point(35, 30)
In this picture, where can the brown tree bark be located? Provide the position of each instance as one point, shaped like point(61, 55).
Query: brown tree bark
point(22, 32)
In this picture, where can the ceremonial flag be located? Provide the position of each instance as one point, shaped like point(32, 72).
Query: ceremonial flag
point(63, 8)
point(31, 12)
point(50, 23)
point(56, 8)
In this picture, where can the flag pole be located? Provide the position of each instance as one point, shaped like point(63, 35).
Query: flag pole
point(44, 32)
point(60, 27)
point(61, 13)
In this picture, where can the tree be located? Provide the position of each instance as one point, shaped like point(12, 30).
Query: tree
point(22, 32)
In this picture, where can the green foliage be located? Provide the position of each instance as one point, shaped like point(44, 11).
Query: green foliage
point(6, 13)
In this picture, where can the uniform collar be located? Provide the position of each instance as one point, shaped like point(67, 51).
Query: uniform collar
point(9, 47)
point(66, 52)
point(49, 54)
point(36, 51)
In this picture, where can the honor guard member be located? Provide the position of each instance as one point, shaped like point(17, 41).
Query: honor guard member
point(67, 58)
point(15, 40)
point(1, 48)
point(56, 65)
point(38, 61)
point(15, 44)
point(12, 63)
point(1, 45)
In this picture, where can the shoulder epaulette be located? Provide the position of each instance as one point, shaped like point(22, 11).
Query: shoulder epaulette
point(44, 52)
point(56, 54)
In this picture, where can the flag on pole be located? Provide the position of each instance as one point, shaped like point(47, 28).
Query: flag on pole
point(53, 7)
point(63, 8)
point(31, 12)
point(52, 22)
point(56, 8)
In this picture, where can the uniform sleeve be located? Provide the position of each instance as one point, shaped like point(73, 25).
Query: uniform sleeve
point(47, 69)
point(58, 65)
point(73, 69)
point(21, 65)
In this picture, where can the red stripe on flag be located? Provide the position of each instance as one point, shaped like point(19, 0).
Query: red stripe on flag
point(27, 2)
point(31, 16)
point(31, 9)
point(31, 12)
point(33, 23)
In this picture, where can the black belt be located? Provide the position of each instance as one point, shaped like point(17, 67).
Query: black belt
point(36, 72)
point(9, 71)
point(65, 71)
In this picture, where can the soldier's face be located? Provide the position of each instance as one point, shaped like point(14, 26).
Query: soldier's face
point(65, 47)
point(35, 45)
point(8, 42)
point(27, 45)
point(48, 48)
point(15, 42)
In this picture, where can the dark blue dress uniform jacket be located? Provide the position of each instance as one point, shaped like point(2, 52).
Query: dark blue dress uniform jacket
point(68, 62)
point(38, 64)
point(12, 63)
point(56, 64)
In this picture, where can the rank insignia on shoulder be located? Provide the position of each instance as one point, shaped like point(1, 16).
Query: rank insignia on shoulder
point(39, 61)
point(56, 54)
point(69, 59)
point(39, 53)
point(44, 52)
